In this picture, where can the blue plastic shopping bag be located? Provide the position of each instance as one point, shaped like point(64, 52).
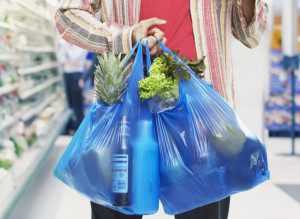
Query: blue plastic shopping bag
point(206, 152)
point(113, 158)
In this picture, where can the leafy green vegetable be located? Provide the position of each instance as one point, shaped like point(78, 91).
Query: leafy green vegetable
point(19, 148)
point(156, 84)
point(198, 66)
point(175, 69)
point(163, 82)
point(6, 164)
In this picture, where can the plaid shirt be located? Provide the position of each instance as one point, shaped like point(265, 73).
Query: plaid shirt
point(213, 23)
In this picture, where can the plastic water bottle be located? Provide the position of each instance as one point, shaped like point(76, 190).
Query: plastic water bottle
point(145, 169)
point(121, 167)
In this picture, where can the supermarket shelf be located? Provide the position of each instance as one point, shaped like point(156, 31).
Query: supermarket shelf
point(38, 68)
point(24, 95)
point(8, 58)
point(29, 165)
point(37, 110)
point(282, 108)
point(8, 123)
point(31, 29)
point(7, 26)
point(7, 180)
point(23, 162)
point(282, 133)
point(8, 88)
point(35, 49)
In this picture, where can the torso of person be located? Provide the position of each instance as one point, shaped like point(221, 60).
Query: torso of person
point(179, 29)
point(211, 22)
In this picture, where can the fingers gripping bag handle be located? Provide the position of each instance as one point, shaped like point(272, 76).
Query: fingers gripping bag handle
point(148, 58)
point(107, 142)
point(206, 152)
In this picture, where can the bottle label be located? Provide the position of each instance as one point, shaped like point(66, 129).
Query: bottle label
point(120, 173)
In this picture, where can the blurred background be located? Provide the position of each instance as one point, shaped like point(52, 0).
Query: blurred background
point(36, 122)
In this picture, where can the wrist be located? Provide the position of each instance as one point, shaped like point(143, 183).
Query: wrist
point(134, 37)
point(122, 42)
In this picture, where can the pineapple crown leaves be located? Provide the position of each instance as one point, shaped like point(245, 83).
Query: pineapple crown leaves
point(111, 77)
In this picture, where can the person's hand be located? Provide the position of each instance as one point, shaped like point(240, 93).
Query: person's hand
point(154, 48)
point(81, 83)
point(141, 30)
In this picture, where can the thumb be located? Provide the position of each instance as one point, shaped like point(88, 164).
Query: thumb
point(152, 22)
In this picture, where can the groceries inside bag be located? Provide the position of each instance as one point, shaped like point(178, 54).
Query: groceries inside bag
point(167, 135)
point(206, 152)
point(113, 158)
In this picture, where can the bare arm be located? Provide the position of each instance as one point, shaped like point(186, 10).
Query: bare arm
point(249, 21)
point(248, 7)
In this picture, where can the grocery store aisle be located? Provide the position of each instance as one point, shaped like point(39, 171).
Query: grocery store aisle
point(279, 198)
point(48, 198)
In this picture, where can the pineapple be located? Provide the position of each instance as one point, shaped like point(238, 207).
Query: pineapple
point(111, 78)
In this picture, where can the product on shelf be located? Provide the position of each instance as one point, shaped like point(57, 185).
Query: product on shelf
point(278, 118)
point(19, 140)
point(31, 102)
point(7, 154)
point(278, 106)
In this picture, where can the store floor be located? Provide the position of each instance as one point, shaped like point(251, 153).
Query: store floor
point(48, 198)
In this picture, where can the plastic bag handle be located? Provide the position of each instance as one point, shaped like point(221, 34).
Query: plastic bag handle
point(132, 95)
point(139, 58)
point(134, 48)
point(148, 58)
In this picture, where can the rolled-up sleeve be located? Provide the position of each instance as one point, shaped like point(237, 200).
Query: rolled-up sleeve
point(249, 34)
point(76, 23)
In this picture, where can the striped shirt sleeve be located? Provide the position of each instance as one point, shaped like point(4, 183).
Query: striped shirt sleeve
point(76, 23)
point(249, 34)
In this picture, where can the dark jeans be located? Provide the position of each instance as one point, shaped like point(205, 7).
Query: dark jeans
point(217, 210)
point(74, 98)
